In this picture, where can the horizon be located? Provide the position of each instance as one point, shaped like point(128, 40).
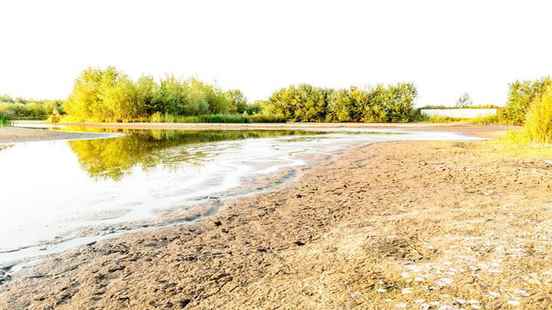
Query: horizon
point(445, 49)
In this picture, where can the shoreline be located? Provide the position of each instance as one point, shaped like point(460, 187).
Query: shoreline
point(12, 135)
point(380, 225)
point(28, 131)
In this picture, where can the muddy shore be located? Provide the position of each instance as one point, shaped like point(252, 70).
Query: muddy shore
point(19, 134)
point(382, 226)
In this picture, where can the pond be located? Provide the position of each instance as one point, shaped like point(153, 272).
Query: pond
point(60, 194)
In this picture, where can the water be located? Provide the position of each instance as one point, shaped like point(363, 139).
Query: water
point(60, 194)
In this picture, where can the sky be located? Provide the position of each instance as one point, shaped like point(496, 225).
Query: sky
point(446, 48)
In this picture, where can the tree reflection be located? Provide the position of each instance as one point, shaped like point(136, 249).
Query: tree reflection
point(114, 158)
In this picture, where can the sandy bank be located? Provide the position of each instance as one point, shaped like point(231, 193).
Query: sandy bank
point(403, 224)
point(17, 134)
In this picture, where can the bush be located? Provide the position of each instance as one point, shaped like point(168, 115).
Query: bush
point(306, 103)
point(444, 107)
point(538, 124)
point(30, 110)
point(521, 95)
point(110, 95)
point(4, 120)
point(216, 118)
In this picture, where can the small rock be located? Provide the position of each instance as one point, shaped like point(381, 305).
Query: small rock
point(522, 293)
point(443, 282)
point(184, 302)
point(493, 295)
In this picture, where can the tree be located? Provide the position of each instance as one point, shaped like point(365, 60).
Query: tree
point(520, 96)
point(464, 101)
point(236, 100)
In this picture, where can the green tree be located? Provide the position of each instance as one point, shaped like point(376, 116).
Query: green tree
point(520, 97)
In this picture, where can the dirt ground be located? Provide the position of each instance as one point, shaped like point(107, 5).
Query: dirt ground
point(412, 225)
point(17, 134)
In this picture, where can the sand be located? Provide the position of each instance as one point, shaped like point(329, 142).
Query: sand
point(393, 225)
point(18, 134)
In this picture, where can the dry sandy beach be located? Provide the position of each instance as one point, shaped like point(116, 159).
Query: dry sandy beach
point(21, 134)
point(413, 225)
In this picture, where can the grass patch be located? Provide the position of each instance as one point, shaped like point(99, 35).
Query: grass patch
point(481, 120)
point(445, 107)
point(207, 118)
point(215, 118)
point(4, 120)
point(538, 124)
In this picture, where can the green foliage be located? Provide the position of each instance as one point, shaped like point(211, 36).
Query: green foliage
point(485, 120)
point(302, 103)
point(444, 107)
point(306, 103)
point(538, 125)
point(436, 119)
point(520, 97)
point(30, 110)
point(215, 118)
point(480, 120)
point(104, 95)
point(4, 120)
point(109, 95)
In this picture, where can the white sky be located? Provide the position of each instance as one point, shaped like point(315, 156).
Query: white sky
point(445, 47)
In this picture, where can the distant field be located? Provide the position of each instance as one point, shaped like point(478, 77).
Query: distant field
point(459, 113)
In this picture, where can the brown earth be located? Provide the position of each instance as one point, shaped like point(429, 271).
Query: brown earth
point(18, 134)
point(423, 225)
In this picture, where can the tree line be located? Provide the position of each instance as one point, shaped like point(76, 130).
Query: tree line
point(109, 95)
point(307, 103)
point(30, 109)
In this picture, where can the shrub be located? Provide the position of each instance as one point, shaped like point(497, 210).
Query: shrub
point(4, 120)
point(538, 124)
point(30, 110)
point(110, 95)
point(306, 103)
point(521, 95)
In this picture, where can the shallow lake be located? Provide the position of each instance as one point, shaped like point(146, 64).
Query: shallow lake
point(61, 194)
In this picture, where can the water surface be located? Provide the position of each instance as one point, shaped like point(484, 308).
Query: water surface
point(57, 194)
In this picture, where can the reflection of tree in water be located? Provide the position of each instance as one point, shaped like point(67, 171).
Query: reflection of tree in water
point(113, 158)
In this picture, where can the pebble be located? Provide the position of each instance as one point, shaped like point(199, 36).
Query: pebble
point(443, 282)
point(493, 295)
point(522, 293)
point(406, 290)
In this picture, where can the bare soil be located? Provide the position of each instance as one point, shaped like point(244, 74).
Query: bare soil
point(18, 134)
point(413, 225)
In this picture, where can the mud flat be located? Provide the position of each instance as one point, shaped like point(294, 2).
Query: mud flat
point(397, 224)
point(20, 134)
